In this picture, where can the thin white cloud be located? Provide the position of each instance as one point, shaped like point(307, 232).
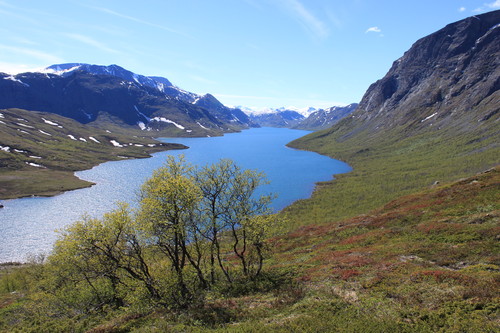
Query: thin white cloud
point(25, 41)
point(8, 34)
point(6, 4)
point(92, 42)
point(33, 53)
point(493, 5)
point(311, 23)
point(19, 17)
point(334, 19)
point(373, 29)
point(487, 6)
point(137, 20)
point(461, 9)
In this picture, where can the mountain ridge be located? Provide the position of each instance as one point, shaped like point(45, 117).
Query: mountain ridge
point(285, 118)
point(84, 92)
point(311, 119)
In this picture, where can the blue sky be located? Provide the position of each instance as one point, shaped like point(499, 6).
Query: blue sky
point(255, 53)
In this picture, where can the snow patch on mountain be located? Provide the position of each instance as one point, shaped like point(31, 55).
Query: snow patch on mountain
point(50, 122)
point(116, 143)
point(58, 70)
point(13, 78)
point(165, 120)
point(201, 125)
point(429, 117)
point(24, 125)
point(45, 133)
point(35, 165)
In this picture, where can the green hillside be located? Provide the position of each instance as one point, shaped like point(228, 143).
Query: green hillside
point(40, 151)
point(390, 164)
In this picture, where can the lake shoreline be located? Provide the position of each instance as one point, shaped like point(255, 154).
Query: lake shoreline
point(29, 223)
point(68, 179)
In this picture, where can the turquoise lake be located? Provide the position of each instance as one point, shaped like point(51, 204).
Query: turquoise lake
point(27, 226)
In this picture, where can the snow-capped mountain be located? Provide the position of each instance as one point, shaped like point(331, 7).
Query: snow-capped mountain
point(309, 118)
point(93, 93)
point(157, 82)
point(114, 70)
point(287, 119)
point(263, 110)
point(325, 118)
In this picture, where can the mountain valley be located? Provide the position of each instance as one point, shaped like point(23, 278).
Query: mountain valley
point(408, 241)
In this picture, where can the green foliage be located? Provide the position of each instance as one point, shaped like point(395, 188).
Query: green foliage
point(196, 232)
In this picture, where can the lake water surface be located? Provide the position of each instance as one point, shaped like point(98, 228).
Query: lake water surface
point(27, 226)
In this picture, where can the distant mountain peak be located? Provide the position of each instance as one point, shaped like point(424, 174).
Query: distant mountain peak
point(65, 69)
point(325, 118)
point(267, 110)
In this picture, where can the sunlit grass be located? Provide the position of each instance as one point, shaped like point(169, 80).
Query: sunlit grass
point(387, 168)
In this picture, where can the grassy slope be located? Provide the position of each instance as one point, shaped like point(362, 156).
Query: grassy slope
point(390, 164)
point(59, 154)
point(426, 262)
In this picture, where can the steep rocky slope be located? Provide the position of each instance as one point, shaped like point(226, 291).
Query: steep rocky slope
point(449, 78)
point(446, 84)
